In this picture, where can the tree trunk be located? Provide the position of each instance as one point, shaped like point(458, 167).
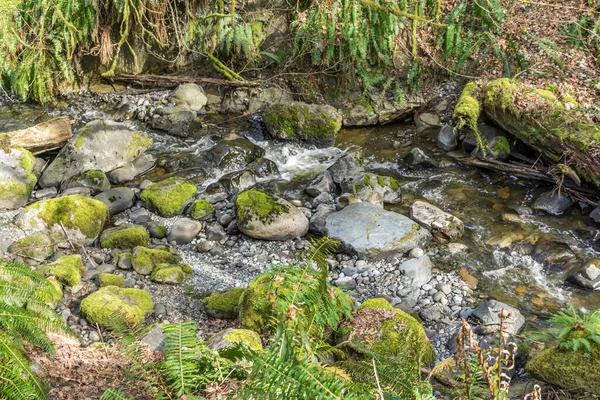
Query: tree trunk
point(43, 137)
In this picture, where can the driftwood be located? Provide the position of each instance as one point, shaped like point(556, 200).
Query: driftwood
point(43, 137)
point(167, 81)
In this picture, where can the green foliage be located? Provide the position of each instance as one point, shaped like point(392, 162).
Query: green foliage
point(24, 317)
point(576, 331)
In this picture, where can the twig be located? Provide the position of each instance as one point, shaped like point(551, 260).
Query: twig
point(102, 340)
point(380, 395)
point(85, 253)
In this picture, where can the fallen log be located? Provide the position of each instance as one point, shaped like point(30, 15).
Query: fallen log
point(46, 136)
point(167, 81)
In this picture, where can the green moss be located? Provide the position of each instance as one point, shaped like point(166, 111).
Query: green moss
point(112, 307)
point(110, 280)
point(567, 369)
point(81, 137)
point(53, 295)
point(224, 303)
point(144, 259)
point(299, 122)
point(37, 247)
point(381, 181)
point(22, 188)
point(162, 230)
point(169, 273)
point(170, 196)
point(501, 145)
point(256, 204)
point(468, 108)
point(139, 143)
point(551, 88)
point(244, 336)
point(201, 209)
point(126, 237)
point(568, 98)
point(67, 269)
point(394, 184)
point(367, 181)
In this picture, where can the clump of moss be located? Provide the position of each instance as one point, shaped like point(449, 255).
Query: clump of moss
point(162, 231)
point(201, 210)
point(171, 273)
point(244, 336)
point(169, 197)
point(256, 204)
point(224, 304)
point(367, 181)
point(33, 248)
point(501, 147)
point(467, 112)
point(124, 237)
point(110, 280)
point(95, 180)
point(144, 259)
point(52, 295)
point(113, 307)
point(67, 269)
point(15, 192)
point(394, 184)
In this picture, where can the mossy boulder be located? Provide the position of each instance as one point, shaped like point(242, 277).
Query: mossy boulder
point(112, 307)
point(67, 269)
point(388, 331)
point(223, 305)
point(201, 210)
point(232, 338)
point(386, 186)
point(100, 145)
point(82, 218)
point(144, 260)
point(264, 216)
point(104, 279)
point(33, 249)
point(124, 237)
point(171, 273)
point(567, 369)
point(95, 180)
point(52, 295)
point(169, 197)
point(312, 123)
point(16, 177)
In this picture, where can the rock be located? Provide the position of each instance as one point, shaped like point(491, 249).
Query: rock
point(345, 200)
point(109, 280)
point(124, 237)
point(455, 248)
point(588, 276)
point(263, 168)
point(347, 168)
point(232, 338)
point(439, 222)
point(82, 218)
point(100, 145)
point(91, 273)
point(154, 339)
point(317, 220)
point(418, 270)
point(387, 187)
point(33, 249)
point(157, 231)
point(47, 193)
point(130, 171)
point(435, 313)
point(176, 121)
point(68, 270)
point(202, 210)
point(418, 158)
point(488, 314)
point(203, 246)
point(357, 110)
point(223, 305)
point(261, 215)
point(446, 139)
point(95, 180)
point(81, 191)
point(427, 122)
point(416, 252)
point(117, 200)
point(184, 230)
point(370, 231)
point(113, 307)
point(189, 95)
point(595, 215)
point(171, 273)
point(263, 97)
point(555, 255)
point(169, 197)
point(16, 177)
point(144, 259)
point(553, 203)
point(236, 182)
point(235, 154)
point(345, 283)
point(215, 232)
point(323, 183)
point(312, 123)
point(123, 261)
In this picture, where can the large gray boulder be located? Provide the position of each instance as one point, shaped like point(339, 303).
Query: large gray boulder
point(100, 145)
point(443, 225)
point(117, 200)
point(16, 177)
point(190, 96)
point(129, 171)
point(373, 232)
point(489, 313)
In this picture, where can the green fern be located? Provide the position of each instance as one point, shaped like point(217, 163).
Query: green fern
point(575, 331)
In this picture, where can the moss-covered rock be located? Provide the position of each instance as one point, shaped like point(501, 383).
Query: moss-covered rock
point(110, 280)
point(232, 338)
point(53, 295)
point(123, 260)
point(383, 329)
point(144, 259)
point(568, 369)
point(312, 123)
point(224, 304)
point(201, 210)
point(386, 186)
point(16, 177)
point(95, 180)
point(82, 218)
point(171, 273)
point(67, 269)
point(112, 307)
point(124, 237)
point(169, 197)
point(33, 249)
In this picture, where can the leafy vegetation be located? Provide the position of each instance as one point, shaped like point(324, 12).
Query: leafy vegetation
point(576, 331)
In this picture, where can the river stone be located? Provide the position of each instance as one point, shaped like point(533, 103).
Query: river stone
point(371, 231)
point(236, 182)
point(235, 154)
point(124, 237)
point(129, 171)
point(82, 218)
point(184, 230)
point(347, 168)
point(261, 98)
point(33, 249)
point(81, 191)
point(418, 270)
point(263, 167)
point(387, 187)
point(189, 95)
point(262, 215)
point(47, 193)
point(312, 123)
point(488, 314)
point(555, 255)
point(117, 200)
point(442, 224)
point(427, 122)
point(446, 139)
point(417, 158)
point(317, 220)
point(95, 180)
point(588, 276)
point(323, 183)
point(553, 203)
point(16, 177)
point(101, 144)
point(176, 121)
point(169, 197)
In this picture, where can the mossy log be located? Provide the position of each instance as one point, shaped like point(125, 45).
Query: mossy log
point(540, 120)
point(40, 138)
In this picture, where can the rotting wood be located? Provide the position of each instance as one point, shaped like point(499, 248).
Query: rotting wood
point(46, 136)
point(167, 81)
